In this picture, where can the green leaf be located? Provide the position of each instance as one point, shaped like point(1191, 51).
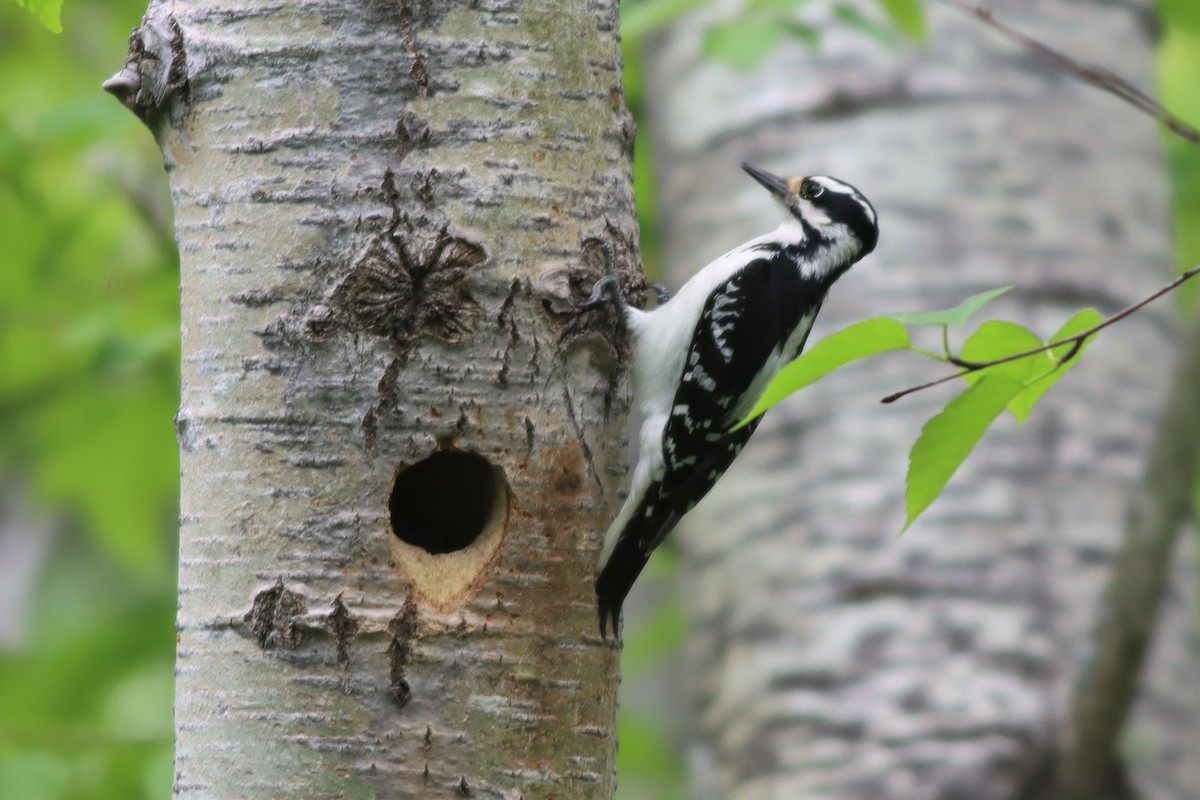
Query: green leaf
point(909, 17)
point(1080, 322)
point(951, 316)
point(996, 339)
point(109, 458)
point(862, 339)
point(1178, 54)
point(47, 12)
point(851, 16)
point(638, 19)
point(948, 438)
point(1184, 14)
point(1048, 371)
point(741, 43)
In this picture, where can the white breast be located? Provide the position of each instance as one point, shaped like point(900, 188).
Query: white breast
point(662, 336)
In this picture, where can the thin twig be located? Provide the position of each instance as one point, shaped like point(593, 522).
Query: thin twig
point(1097, 76)
point(1075, 341)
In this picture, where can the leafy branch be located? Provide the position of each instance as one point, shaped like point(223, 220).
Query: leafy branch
point(1075, 343)
point(998, 361)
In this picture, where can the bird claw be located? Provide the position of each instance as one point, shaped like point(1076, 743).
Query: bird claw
point(661, 293)
point(605, 290)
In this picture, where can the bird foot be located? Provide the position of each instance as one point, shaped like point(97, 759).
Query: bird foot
point(607, 289)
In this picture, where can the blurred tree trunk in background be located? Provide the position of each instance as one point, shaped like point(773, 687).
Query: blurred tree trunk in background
point(831, 659)
point(381, 209)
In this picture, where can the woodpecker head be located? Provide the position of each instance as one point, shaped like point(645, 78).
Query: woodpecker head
point(828, 206)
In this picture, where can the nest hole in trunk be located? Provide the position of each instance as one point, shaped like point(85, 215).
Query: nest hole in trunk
point(444, 502)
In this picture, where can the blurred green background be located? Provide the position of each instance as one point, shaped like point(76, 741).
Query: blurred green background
point(89, 352)
point(89, 358)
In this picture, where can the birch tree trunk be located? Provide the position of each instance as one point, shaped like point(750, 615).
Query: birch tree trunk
point(831, 659)
point(397, 436)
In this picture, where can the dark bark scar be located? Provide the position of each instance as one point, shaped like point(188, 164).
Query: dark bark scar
point(412, 133)
point(370, 427)
point(342, 625)
point(386, 404)
point(272, 617)
point(403, 628)
point(580, 437)
point(418, 71)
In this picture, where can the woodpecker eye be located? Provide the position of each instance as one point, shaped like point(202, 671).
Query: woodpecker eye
point(811, 190)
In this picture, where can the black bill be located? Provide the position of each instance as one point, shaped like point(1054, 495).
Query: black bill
point(772, 183)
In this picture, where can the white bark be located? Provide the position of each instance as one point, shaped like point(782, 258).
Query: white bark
point(831, 659)
point(381, 209)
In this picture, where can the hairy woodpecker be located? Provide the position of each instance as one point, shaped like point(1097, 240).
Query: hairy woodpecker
point(702, 358)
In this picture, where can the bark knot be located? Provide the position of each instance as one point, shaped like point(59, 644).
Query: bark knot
point(412, 279)
point(272, 617)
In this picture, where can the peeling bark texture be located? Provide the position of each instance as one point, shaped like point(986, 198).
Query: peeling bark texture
point(830, 658)
point(382, 210)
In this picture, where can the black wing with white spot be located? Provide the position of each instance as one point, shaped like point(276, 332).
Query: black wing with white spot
point(752, 316)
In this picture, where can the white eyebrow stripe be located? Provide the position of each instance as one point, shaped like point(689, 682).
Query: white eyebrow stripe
point(833, 184)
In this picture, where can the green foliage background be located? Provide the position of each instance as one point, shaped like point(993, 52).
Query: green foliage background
point(89, 383)
point(89, 359)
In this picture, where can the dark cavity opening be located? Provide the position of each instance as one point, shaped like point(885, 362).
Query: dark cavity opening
point(443, 503)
